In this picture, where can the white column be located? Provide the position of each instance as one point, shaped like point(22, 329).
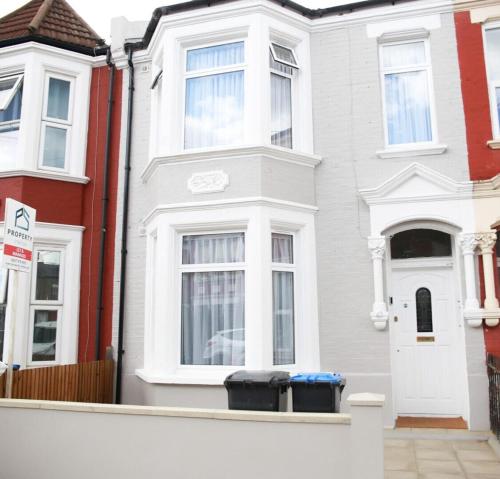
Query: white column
point(379, 314)
point(468, 243)
point(367, 436)
point(487, 242)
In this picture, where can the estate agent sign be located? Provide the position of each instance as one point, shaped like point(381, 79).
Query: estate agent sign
point(18, 236)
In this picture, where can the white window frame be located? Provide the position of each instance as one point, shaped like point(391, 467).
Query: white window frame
point(492, 84)
point(293, 92)
point(46, 305)
point(213, 71)
point(14, 89)
point(290, 268)
point(427, 67)
point(162, 323)
point(57, 122)
point(274, 54)
point(202, 268)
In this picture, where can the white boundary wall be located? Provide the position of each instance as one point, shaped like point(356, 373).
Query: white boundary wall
point(52, 440)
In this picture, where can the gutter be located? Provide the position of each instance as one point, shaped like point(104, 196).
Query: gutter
point(105, 204)
point(90, 51)
point(129, 48)
point(311, 13)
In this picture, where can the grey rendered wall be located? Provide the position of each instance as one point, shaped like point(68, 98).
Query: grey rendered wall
point(348, 130)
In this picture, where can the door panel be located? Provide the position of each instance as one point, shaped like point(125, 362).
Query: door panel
point(426, 363)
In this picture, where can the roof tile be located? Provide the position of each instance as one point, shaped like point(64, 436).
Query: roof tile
point(50, 19)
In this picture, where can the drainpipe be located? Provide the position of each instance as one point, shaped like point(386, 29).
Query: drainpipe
point(123, 269)
point(105, 203)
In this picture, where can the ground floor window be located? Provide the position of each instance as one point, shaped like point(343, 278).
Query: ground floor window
point(229, 295)
point(47, 300)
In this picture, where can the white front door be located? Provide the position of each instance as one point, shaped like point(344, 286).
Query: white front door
point(424, 331)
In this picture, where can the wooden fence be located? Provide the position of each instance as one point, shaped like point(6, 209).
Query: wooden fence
point(85, 382)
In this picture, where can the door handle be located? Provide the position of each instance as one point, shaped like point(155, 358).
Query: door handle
point(396, 319)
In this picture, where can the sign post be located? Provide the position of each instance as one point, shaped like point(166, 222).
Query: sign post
point(17, 257)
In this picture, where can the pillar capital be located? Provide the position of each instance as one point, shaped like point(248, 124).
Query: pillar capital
point(487, 241)
point(468, 242)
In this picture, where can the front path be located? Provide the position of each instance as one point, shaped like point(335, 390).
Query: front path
point(439, 459)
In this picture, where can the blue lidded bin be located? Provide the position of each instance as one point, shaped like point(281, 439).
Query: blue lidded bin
point(317, 392)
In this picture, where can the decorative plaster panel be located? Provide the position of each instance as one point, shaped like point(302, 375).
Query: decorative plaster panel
point(208, 182)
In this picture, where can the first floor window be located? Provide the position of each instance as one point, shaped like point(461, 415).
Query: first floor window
point(214, 100)
point(407, 82)
point(11, 95)
point(47, 302)
point(3, 305)
point(283, 299)
point(281, 97)
point(492, 40)
point(213, 299)
point(56, 122)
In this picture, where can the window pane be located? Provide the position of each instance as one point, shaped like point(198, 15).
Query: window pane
point(282, 247)
point(283, 318)
point(281, 111)
point(424, 310)
point(404, 55)
point(217, 56)
point(214, 110)
point(284, 54)
point(213, 318)
point(58, 101)
point(408, 109)
point(13, 111)
point(44, 335)
point(215, 248)
point(497, 91)
point(54, 150)
point(493, 53)
point(47, 275)
point(420, 243)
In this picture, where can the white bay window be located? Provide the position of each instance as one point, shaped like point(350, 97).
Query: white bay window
point(214, 103)
point(407, 91)
point(230, 295)
point(492, 49)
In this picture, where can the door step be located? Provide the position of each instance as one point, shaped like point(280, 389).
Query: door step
point(431, 422)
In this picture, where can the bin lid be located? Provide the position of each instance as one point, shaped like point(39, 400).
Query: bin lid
point(332, 378)
point(258, 377)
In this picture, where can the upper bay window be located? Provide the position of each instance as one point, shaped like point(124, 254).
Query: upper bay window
point(492, 47)
point(56, 123)
point(11, 94)
point(214, 99)
point(407, 88)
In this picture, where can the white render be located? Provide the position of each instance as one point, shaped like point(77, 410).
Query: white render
point(290, 445)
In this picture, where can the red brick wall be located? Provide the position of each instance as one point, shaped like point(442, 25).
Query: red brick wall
point(92, 212)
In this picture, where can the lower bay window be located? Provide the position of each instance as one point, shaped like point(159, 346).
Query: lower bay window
point(245, 292)
point(47, 300)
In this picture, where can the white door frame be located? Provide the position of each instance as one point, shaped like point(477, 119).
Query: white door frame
point(456, 267)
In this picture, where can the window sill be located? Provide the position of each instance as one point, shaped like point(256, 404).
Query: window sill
point(409, 151)
point(45, 175)
point(197, 377)
point(494, 144)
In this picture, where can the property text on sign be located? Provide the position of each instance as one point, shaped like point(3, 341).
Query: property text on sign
point(18, 235)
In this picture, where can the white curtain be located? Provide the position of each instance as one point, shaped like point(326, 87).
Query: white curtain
point(213, 248)
point(408, 109)
point(213, 302)
point(58, 101)
point(283, 318)
point(54, 148)
point(283, 301)
point(214, 103)
point(281, 111)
